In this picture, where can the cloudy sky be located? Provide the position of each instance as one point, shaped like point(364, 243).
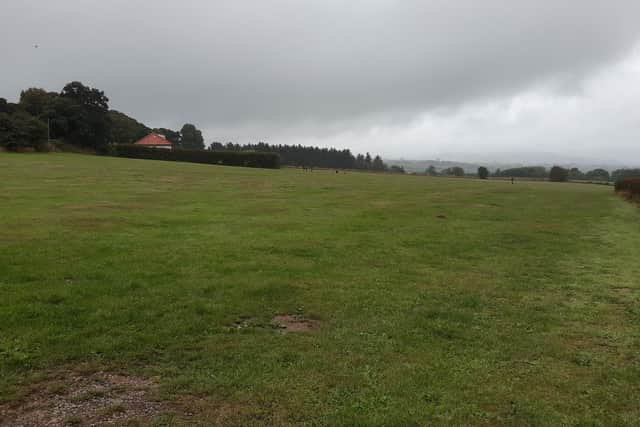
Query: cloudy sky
point(507, 79)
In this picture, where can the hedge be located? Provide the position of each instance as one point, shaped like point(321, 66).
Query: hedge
point(629, 187)
point(249, 159)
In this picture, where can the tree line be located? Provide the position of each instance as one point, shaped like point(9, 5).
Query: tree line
point(556, 173)
point(78, 115)
point(299, 155)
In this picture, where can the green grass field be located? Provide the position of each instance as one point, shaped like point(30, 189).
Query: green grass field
point(440, 301)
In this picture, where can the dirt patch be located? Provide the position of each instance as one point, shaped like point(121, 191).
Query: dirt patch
point(77, 399)
point(291, 323)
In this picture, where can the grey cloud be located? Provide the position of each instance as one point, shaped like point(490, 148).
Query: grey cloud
point(294, 64)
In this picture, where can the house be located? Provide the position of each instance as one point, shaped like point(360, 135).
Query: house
point(155, 140)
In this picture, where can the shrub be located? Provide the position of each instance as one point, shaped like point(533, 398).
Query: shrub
point(619, 174)
point(558, 174)
point(250, 159)
point(629, 187)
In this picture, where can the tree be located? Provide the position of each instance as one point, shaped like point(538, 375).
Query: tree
point(453, 171)
point(21, 129)
point(81, 115)
point(483, 173)
point(85, 96)
point(216, 146)
point(299, 155)
point(378, 164)
point(431, 171)
point(597, 175)
point(4, 108)
point(396, 169)
point(367, 161)
point(575, 174)
point(37, 102)
point(125, 129)
point(558, 174)
point(191, 138)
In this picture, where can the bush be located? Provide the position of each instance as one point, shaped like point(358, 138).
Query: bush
point(249, 159)
point(558, 174)
point(620, 174)
point(629, 187)
point(483, 173)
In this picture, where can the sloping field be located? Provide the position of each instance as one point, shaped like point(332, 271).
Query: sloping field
point(180, 293)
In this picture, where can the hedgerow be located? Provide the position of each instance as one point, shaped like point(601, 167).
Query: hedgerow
point(249, 159)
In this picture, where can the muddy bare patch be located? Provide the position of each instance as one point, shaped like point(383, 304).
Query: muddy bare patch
point(77, 399)
point(293, 323)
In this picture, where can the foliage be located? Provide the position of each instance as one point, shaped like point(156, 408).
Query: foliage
point(431, 171)
point(191, 138)
point(38, 102)
point(20, 129)
point(126, 130)
point(628, 186)
point(378, 164)
point(575, 174)
point(228, 158)
point(298, 155)
point(597, 175)
point(558, 174)
point(453, 171)
point(524, 172)
point(483, 173)
point(619, 174)
point(85, 96)
point(82, 116)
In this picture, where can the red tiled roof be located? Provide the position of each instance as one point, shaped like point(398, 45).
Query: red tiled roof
point(153, 139)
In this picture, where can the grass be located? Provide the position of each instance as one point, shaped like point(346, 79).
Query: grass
point(441, 301)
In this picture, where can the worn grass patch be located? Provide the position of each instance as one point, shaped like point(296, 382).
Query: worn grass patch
point(84, 398)
point(442, 301)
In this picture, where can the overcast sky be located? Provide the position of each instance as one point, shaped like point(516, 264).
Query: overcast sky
point(404, 78)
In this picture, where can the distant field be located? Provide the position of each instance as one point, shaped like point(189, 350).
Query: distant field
point(431, 301)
